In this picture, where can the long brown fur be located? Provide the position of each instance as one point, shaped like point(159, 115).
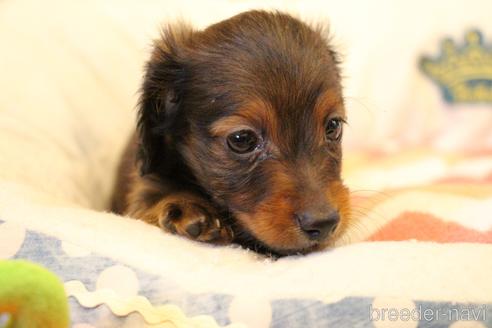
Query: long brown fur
point(269, 74)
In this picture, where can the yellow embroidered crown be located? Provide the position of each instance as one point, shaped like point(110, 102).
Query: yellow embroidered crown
point(463, 73)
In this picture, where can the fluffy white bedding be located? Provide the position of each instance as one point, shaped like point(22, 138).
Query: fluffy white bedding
point(69, 75)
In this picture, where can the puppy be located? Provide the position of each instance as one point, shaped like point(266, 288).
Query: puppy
point(238, 138)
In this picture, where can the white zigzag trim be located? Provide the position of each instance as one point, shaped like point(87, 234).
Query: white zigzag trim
point(163, 314)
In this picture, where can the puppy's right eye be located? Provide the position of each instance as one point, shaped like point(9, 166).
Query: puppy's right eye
point(243, 141)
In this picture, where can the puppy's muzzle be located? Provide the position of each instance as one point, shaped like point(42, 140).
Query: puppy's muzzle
point(318, 227)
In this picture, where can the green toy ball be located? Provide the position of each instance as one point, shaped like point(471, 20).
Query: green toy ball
point(31, 296)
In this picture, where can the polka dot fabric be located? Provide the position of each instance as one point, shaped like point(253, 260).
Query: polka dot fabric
point(106, 293)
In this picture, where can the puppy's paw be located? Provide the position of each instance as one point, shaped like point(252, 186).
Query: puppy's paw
point(192, 217)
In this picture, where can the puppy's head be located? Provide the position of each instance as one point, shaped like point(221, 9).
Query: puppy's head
point(250, 110)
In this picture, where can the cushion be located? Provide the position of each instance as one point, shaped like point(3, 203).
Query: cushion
point(418, 162)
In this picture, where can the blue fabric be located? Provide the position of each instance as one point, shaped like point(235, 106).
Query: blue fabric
point(348, 312)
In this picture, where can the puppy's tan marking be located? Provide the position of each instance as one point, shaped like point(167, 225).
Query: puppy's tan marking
point(328, 105)
point(256, 114)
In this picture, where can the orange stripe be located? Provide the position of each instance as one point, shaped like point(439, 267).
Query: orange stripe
point(426, 227)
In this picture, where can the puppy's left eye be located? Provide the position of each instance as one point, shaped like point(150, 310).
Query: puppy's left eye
point(243, 141)
point(333, 129)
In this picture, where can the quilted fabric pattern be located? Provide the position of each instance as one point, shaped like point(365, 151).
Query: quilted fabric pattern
point(104, 292)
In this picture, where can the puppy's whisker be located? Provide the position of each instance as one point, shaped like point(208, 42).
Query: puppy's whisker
point(360, 102)
point(368, 191)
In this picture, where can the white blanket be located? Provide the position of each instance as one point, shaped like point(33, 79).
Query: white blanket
point(69, 75)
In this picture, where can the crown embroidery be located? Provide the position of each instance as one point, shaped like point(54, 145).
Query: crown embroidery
point(464, 73)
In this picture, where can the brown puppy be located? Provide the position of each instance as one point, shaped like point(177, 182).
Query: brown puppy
point(239, 133)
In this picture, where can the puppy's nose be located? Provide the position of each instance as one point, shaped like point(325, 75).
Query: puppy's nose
point(318, 227)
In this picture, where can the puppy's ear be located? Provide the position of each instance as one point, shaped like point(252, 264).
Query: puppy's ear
point(160, 97)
